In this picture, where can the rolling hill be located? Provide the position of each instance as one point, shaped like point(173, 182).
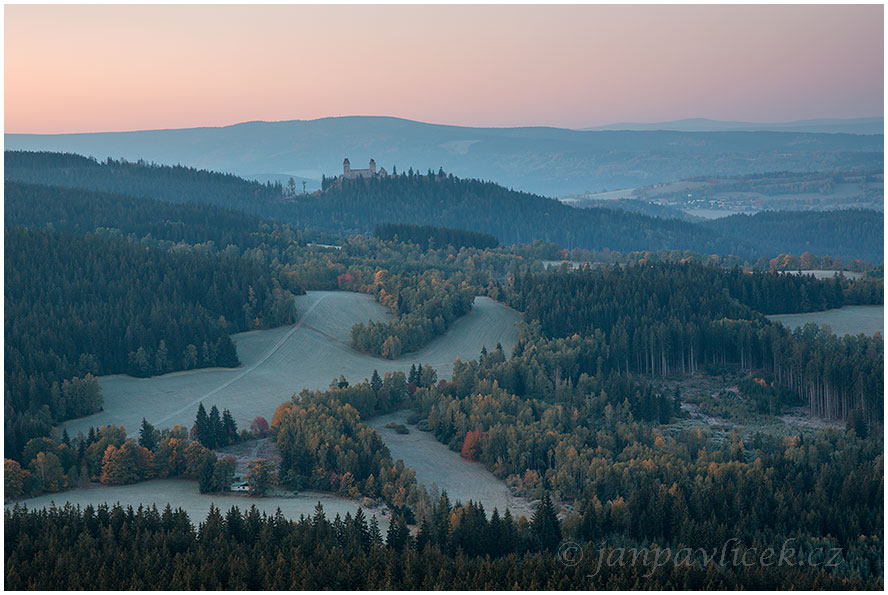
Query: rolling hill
point(846, 234)
point(875, 125)
point(547, 161)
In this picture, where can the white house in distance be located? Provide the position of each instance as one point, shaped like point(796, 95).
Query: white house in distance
point(240, 486)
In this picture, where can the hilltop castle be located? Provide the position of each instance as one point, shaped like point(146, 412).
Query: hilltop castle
point(370, 172)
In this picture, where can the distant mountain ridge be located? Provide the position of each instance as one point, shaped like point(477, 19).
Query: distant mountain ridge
point(874, 125)
point(546, 161)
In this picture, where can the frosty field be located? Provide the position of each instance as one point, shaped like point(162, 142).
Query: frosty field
point(437, 465)
point(182, 493)
point(279, 362)
point(842, 321)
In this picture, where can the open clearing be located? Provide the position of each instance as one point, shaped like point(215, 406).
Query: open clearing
point(436, 465)
point(848, 320)
point(714, 403)
point(279, 362)
point(183, 493)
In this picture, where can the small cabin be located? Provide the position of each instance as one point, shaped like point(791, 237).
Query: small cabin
point(240, 486)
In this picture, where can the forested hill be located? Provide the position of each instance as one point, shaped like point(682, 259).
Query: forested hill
point(163, 182)
point(78, 210)
point(847, 234)
point(512, 217)
point(358, 206)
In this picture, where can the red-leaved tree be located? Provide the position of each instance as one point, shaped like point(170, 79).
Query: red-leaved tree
point(471, 448)
point(259, 427)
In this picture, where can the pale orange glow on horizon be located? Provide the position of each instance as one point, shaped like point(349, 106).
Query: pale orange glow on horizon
point(107, 68)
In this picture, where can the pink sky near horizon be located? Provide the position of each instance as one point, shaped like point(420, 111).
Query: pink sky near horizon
point(107, 68)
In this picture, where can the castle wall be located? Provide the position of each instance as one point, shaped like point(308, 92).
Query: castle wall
point(358, 173)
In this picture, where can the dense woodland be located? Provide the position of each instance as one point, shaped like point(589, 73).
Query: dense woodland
point(424, 304)
point(142, 179)
point(671, 318)
point(774, 232)
point(607, 445)
point(512, 217)
point(142, 219)
point(324, 446)
point(115, 548)
point(81, 305)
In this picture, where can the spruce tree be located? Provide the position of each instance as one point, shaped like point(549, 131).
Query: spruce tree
point(226, 354)
point(424, 536)
point(361, 530)
point(375, 382)
point(545, 524)
point(202, 423)
point(229, 427)
point(375, 533)
point(147, 435)
point(398, 534)
point(216, 430)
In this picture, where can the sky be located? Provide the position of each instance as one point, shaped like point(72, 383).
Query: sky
point(110, 68)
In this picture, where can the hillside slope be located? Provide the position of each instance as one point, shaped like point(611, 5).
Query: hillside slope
point(847, 234)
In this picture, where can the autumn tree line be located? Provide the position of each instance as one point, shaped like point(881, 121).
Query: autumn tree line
point(324, 445)
point(424, 305)
point(107, 455)
point(100, 283)
point(427, 236)
point(83, 253)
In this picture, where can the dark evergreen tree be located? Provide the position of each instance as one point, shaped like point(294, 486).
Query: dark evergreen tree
point(375, 382)
point(545, 525)
point(147, 435)
point(204, 428)
point(229, 427)
point(398, 535)
point(216, 434)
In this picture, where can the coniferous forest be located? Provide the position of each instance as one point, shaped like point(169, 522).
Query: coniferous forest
point(633, 480)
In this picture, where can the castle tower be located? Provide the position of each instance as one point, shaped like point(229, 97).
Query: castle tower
point(372, 167)
point(346, 166)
